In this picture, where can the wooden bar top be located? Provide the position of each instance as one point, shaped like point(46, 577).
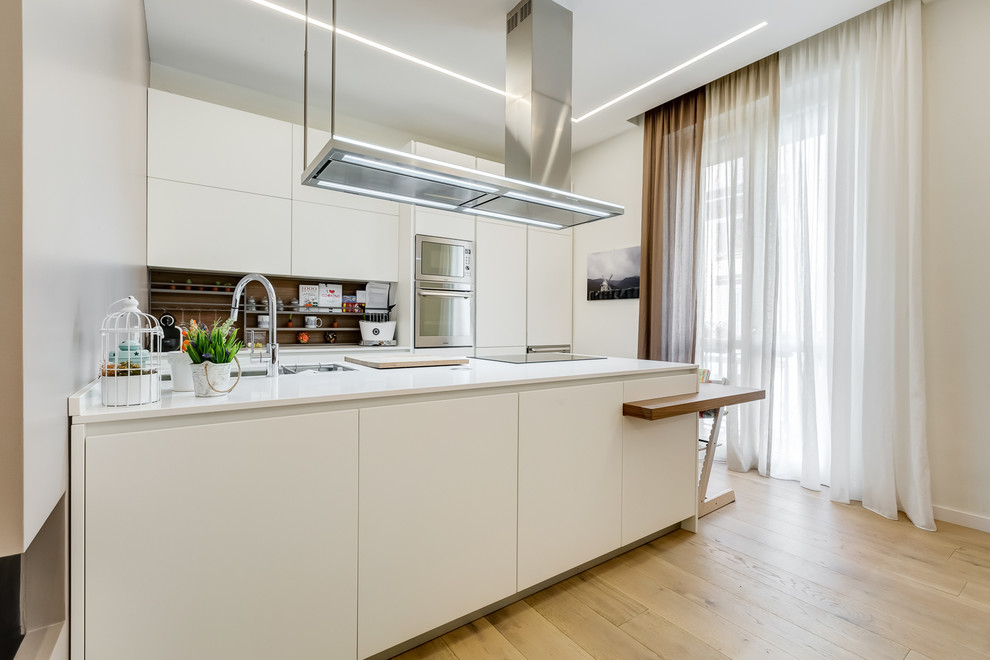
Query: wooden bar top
point(708, 397)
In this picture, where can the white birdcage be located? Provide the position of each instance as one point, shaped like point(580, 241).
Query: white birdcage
point(130, 373)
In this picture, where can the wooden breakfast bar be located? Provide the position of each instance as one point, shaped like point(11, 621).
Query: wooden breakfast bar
point(710, 396)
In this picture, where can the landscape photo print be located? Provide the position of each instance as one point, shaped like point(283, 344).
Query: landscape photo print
point(614, 274)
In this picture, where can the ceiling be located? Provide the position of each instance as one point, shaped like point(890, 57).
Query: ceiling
point(618, 45)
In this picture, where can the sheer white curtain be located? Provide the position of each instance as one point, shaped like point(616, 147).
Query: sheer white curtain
point(846, 374)
point(737, 249)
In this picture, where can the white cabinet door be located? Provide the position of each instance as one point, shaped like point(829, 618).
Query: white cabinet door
point(230, 540)
point(548, 294)
point(203, 228)
point(438, 514)
point(491, 166)
point(212, 145)
point(570, 478)
point(659, 461)
point(443, 223)
point(500, 283)
point(318, 195)
point(443, 155)
point(345, 243)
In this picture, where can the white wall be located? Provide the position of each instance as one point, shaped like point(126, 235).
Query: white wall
point(611, 171)
point(84, 216)
point(11, 107)
point(956, 235)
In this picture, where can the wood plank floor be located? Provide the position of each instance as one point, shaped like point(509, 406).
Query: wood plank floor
point(782, 572)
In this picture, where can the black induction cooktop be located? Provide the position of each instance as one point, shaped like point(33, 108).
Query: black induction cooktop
point(530, 358)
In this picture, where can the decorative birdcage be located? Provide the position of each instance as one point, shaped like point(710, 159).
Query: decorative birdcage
point(130, 374)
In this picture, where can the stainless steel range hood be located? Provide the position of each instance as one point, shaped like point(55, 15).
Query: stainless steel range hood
point(537, 150)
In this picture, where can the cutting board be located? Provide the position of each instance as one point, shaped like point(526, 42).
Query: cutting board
point(400, 361)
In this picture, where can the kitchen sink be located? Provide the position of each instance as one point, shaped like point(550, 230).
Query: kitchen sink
point(261, 368)
point(300, 368)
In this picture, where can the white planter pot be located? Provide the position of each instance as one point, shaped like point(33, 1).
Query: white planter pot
point(180, 364)
point(211, 379)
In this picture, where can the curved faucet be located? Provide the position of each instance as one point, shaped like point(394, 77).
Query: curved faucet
point(272, 325)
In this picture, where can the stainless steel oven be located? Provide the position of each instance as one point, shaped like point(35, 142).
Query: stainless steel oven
point(444, 260)
point(444, 314)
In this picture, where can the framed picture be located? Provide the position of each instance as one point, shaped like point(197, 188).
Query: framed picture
point(614, 274)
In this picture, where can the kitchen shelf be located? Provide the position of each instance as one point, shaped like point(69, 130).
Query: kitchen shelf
point(326, 328)
point(181, 288)
point(318, 311)
point(212, 307)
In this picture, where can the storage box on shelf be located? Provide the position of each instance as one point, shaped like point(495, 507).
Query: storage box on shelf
point(206, 297)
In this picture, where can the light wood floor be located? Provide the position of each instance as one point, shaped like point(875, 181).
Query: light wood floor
point(782, 572)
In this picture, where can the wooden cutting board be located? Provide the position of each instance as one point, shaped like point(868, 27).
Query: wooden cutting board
point(401, 361)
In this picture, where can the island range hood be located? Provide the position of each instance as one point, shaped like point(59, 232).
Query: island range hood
point(537, 142)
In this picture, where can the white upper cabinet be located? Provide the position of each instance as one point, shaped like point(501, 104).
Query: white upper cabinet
point(441, 154)
point(490, 166)
point(500, 280)
point(347, 243)
point(444, 223)
point(317, 195)
point(548, 294)
point(213, 145)
point(204, 228)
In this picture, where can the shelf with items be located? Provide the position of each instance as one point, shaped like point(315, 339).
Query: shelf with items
point(207, 297)
point(319, 311)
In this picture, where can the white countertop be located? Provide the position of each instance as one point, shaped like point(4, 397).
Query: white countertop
point(363, 383)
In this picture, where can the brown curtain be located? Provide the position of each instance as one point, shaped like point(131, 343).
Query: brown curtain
point(671, 192)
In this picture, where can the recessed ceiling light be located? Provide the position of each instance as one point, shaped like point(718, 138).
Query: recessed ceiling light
point(423, 174)
point(672, 71)
point(382, 47)
point(385, 195)
point(515, 218)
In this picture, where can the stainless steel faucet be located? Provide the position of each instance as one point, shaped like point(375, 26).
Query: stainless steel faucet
point(272, 325)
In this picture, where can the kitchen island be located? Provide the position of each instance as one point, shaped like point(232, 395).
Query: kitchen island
point(353, 514)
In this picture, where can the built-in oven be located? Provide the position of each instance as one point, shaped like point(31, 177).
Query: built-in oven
point(444, 314)
point(444, 260)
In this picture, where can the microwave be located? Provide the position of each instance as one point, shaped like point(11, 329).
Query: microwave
point(444, 260)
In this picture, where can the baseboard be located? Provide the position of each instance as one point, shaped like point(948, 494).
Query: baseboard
point(971, 520)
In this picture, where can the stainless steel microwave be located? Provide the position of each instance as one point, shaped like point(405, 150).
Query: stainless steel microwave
point(444, 260)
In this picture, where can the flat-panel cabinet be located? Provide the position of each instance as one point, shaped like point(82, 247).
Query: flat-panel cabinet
point(548, 293)
point(349, 243)
point(226, 540)
point(438, 514)
point(443, 223)
point(212, 145)
point(202, 228)
point(500, 281)
point(570, 478)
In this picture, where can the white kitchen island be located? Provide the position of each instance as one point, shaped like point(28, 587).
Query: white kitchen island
point(354, 514)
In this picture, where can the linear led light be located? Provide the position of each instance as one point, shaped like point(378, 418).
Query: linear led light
point(673, 71)
point(379, 46)
point(473, 172)
point(429, 176)
point(551, 202)
point(514, 218)
point(384, 195)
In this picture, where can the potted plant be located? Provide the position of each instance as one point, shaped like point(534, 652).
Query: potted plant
point(212, 351)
